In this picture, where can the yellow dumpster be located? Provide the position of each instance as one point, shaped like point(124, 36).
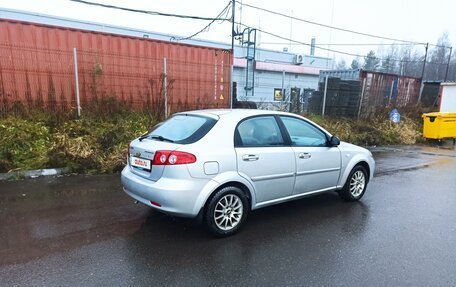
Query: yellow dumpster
point(439, 125)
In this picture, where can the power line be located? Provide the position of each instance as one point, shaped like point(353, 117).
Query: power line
point(341, 44)
point(331, 27)
point(330, 50)
point(224, 12)
point(150, 12)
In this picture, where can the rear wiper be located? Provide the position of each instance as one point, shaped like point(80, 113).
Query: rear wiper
point(161, 138)
point(143, 137)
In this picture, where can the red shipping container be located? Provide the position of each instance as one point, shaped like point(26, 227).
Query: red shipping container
point(37, 69)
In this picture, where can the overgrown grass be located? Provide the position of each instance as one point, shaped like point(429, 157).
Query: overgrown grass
point(92, 144)
point(378, 130)
point(97, 143)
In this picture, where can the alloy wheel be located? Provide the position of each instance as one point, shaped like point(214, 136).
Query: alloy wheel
point(357, 183)
point(228, 212)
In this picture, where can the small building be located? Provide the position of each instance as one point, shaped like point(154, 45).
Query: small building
point(274, 71)
point(439, 95)
point(447, 97)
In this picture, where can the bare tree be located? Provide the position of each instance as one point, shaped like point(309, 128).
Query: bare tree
point(411, 61)
point(390, 63)
point(437, 64)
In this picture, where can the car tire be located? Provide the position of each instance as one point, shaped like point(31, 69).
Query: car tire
point(226, 211)
point(356, 184)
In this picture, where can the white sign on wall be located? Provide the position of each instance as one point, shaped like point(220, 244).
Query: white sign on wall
point(448, 98)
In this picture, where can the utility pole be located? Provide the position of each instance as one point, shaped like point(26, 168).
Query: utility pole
point(78, 100)
point(233, 34)
point(424, 63)
point(291, 29)
point(422, 75)
point(448, 64)
point(165, 87)
point(283, 90)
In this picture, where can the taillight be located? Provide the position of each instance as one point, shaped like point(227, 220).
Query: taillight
point(155, 203)
point(167, 157)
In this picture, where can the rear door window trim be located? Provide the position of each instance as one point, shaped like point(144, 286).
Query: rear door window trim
point(237, 137)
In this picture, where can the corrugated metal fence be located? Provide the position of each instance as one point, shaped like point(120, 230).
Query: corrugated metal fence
point(358, 93)
point(37, 70)
point(381, 90)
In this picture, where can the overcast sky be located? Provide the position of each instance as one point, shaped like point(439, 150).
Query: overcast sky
point(419, 20)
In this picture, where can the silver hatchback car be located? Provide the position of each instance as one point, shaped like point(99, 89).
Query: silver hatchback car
point(221, 164)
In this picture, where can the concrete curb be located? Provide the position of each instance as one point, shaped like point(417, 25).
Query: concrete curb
point(34, 173)
point(440, 152)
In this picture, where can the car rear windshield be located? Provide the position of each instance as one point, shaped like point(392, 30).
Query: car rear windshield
point(182, 129)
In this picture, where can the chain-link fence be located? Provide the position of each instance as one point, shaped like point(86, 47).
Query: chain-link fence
point(54, 80)
point(33, 78)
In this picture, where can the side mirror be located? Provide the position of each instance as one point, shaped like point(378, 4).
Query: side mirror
point(334, 141)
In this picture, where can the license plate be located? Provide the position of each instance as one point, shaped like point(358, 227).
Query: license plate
point(140, 162)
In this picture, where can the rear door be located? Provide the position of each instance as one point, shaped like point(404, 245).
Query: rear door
point(263, 156)
point(317, 164)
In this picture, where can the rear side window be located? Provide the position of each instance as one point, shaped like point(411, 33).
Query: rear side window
point(182, 129)
point(259, 132)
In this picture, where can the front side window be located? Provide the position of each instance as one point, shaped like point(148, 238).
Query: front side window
point(259, 132)
point(303, 133)
point(182, 129)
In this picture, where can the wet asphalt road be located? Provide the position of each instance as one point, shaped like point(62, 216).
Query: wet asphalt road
point(83, 231)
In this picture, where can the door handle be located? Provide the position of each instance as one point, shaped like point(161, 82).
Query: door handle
point(250, 157)
point(304, 155)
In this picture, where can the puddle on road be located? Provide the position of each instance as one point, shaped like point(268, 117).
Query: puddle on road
point(390, 160)
point(47, 215)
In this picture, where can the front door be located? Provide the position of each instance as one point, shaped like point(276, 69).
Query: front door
point(317, 164)
point(263, 157)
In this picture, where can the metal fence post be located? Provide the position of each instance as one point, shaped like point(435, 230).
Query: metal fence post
point(391, 92)
point(448, 65)
point(422, 75)
point(421, 93)
point(324, 96)
point(283, 91)
point(231, 85)
point(78, 101)
point(165, 87)
point(361, 98)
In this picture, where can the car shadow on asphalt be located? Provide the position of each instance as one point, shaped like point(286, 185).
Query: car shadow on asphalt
point(287, 218)
point(168, 245)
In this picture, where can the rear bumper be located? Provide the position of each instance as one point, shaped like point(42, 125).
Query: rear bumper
point(176, 196)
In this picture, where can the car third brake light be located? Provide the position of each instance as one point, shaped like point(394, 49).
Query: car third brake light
point(167, 157)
